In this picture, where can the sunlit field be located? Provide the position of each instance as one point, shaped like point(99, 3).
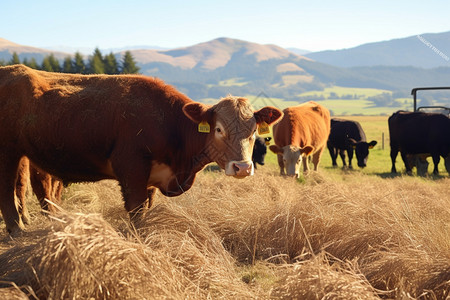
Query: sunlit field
point(331, 234)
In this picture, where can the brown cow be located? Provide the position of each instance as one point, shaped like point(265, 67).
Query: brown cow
point(45, 187)
point(303, 130)
point(132, 128)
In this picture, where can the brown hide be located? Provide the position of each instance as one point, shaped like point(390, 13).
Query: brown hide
point(45, 187)
point(303, 130)
point(132, 128)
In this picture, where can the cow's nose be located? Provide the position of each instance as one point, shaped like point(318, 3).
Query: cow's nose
point(242, 169)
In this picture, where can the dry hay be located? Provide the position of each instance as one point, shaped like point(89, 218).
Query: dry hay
point(84, 257)
point(320, 238)
point(16, 293)
point(366, 221)
point(318, 278)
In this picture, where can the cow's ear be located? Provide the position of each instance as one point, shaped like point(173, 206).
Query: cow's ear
point(268, 114)
point(372, 144)
point(197, 112)
point(275, 149)
point(307, 150)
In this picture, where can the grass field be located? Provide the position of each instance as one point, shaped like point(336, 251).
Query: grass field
point(339, 107)
point(379, 163)
point(343, 91)
point(334, 234)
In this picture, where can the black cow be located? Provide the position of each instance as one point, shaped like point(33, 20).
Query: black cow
point(346, 135)
point(419, 133)
point(260, 150)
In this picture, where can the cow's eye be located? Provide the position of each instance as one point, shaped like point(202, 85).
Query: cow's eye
point(218, 130)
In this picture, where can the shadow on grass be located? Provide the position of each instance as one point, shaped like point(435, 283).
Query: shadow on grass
point(403, 174)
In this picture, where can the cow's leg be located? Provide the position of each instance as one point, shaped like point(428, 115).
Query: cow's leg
point(57, 189)
point(151, 192)
point(23, 177)
point(333, 154)
point(436, 160)
point(342, 155)
point(133, 172)
point(8, 174)
point(281, 164)
point(394, 153)
point(316, 158)
point(405, 161)
point(350, 157)
point(42, 184)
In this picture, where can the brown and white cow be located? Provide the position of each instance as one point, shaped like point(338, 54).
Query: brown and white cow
point(132, 128)
point(45, 186)
point(303, 130)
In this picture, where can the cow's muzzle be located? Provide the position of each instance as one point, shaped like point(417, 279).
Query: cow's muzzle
point(240, 169)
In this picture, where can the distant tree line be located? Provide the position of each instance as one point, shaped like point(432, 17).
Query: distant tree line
point(96, 64)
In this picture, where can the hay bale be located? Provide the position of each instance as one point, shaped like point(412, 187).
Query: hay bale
point(13, 293)
point(318, 279)
point(198, 250)
point(83, 257)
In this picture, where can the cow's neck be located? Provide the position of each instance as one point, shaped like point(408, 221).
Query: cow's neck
point(192, 158)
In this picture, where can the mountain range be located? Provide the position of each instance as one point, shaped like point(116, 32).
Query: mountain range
point(216, 68)
point(424, 50)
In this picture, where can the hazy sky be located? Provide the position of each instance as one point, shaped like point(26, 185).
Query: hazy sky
point(312, 25)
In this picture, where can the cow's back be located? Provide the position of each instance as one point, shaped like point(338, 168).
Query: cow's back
point(305, 124)
point(342, 129)
point(76, 120)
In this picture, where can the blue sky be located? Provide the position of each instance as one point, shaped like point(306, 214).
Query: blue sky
point(312, 25)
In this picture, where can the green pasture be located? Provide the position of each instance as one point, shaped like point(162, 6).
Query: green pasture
point(233, 82)
point(343, 91)
point(358, 105)
point(379, 162)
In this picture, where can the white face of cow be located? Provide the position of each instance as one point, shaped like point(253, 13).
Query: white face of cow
point(232, 147)
point(233, 124)
point(291, 158)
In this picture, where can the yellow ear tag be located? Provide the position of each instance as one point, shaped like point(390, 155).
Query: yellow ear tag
point(203, 127)
point(263, 128)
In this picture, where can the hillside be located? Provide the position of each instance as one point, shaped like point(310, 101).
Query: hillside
point(410, 51)
point(7, 48)
point(224, 66)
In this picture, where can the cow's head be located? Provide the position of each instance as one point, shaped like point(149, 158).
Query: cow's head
point(232, 134)
point(260, 150)
point(362, 151)
point(292, 157)
point(420, 162)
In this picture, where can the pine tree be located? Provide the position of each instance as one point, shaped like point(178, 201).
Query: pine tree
point(111, 65)
point(78, 65)
point(14, 59)
point(128, 64)
point(67, 65)
point(54, 63)
point(96, 65)
point(46, 65)
point(33, 64)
